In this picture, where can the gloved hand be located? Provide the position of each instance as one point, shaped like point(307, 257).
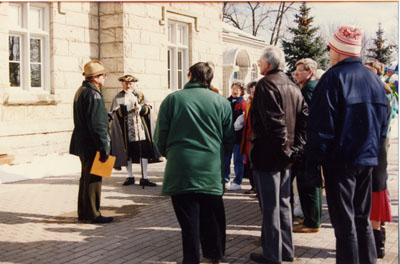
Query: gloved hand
point(124, 110)
point(103, 156)
point(110, 118)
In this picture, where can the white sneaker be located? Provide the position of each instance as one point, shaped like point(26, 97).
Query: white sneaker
point(235, 187)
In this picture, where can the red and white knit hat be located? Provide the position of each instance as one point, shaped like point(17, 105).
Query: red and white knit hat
point(347, 41)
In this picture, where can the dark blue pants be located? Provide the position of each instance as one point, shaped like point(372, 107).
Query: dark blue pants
point(273, 189)
point(202, 219)
point(348, 193)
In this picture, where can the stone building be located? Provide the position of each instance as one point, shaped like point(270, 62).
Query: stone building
point(47, 44)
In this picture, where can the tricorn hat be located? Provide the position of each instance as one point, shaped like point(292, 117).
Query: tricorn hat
point(93, 68)
point(128, 78)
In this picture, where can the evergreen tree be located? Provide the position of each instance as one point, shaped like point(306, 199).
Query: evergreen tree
point(305, 43)
point(380, 52)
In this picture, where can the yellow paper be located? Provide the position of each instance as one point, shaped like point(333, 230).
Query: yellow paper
point(102, 169)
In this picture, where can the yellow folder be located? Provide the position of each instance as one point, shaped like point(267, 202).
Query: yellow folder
point(102, 169)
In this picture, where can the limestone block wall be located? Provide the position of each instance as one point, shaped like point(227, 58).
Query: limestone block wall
point(41, 124)
point(134, 37)
point(130, 38)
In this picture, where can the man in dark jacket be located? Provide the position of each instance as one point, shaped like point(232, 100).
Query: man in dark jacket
point(310, 191)
point(89, 136)
point(278, 117)
point(346, 126)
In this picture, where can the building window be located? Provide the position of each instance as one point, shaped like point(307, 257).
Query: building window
point(29, 63)
point(254, 73)
point(178, 54)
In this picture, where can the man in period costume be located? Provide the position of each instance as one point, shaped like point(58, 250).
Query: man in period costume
point(89, 136)
point(131, 134)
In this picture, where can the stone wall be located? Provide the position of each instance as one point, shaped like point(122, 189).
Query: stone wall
point(41, 124)
point(130, 38)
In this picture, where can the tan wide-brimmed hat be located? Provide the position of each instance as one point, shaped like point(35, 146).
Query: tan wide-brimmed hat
point(94, 68)
point(128, 78)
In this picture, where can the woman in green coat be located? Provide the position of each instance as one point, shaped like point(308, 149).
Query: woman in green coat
point(194, 131)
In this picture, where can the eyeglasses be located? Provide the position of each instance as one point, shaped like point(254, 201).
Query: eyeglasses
point(328, 48)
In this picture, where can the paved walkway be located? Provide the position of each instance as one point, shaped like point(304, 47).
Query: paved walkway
point(38, 224)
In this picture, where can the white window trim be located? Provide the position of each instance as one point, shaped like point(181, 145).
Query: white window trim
point(25, 33)
point(254, 69)
point(174, 46)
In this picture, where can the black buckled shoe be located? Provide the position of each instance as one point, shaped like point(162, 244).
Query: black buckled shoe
point(147, 182)
point(129, 181)
point(102, 220)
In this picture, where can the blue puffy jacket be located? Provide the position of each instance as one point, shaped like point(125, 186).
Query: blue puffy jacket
point(347, 120)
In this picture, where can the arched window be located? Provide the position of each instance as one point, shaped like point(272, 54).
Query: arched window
point(254, 72)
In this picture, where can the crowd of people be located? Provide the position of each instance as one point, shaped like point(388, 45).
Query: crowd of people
point(328, 130)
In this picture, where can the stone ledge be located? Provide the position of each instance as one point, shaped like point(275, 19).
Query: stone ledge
point(31, 99)
point(32, 127)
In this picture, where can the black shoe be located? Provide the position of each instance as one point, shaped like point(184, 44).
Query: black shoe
point(118, 168)
point(259, 258)
point(129, 181)
point(251, 191)
point(216, 260)
point(147, 182)
point(288, 259)
point(102, 220)
point(83, 219)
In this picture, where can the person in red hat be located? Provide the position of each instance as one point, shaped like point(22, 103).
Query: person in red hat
point(346, 127)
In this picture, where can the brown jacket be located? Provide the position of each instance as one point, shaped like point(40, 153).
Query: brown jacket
point(278, 120)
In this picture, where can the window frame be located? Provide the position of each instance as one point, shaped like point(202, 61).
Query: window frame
point(177, 75)
point(254, 72)
point(26, 31)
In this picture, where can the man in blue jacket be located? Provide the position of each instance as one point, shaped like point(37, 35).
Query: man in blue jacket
point(346, 126)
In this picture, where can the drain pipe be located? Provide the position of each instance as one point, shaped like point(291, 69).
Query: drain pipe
point(98, 30)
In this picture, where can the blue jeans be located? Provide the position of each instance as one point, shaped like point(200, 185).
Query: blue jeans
point(273, 189)
point(238, 165)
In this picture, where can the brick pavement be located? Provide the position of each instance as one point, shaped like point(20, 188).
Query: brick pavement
point(38, 224)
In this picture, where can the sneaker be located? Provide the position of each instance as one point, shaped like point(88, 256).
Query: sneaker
point(102, 220)
point(304, 229)
point(259, 258)
point(235, 187)
point(129, 181)
point(147, 182)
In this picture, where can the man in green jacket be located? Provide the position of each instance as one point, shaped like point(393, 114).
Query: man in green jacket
point(310, 192)
point(89, 136)
point(194, 131)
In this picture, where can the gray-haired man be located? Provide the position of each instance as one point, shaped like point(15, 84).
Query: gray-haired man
point(278, 119)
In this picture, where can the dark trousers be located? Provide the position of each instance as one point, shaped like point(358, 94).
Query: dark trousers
point(89, 191)
point(202, 221)
point(311, 205)
point(273, 189)
point(348, 193)
point(248, 173)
